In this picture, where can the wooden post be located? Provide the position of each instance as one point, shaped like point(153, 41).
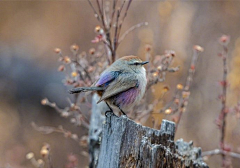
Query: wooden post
point(95, 130)
point(126, 144)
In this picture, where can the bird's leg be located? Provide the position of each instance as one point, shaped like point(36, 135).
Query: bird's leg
point(110, 109)
point(122, 111)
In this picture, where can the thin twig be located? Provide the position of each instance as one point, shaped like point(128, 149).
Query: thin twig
point(223, 113)
point(95, 12)
point(101, 14)
point(125, 15)
point(184, 100)
point(84, 69)
point(49, 160)
point(171, 102)
point(115, 42)
point(113, 12)
point(220, 151)
point(162, 79)
point(131, 29)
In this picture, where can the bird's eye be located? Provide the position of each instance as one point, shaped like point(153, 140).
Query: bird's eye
point(134, 63)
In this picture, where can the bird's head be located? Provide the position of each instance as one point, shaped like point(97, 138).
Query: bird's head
point(132, 62)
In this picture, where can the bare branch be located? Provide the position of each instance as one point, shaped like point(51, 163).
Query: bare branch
point(113, 12)
point(223, 114)
point(185, 94)
point(95, 12)
point(132, 29)
point(220, 151)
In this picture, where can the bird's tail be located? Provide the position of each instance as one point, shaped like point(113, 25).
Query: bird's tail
point(85, 89)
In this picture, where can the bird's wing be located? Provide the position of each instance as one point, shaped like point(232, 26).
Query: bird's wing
point(120, 84)
point(106, 78)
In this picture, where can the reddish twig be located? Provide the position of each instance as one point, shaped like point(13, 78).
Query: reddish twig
point(224, 41)
point(185, 93)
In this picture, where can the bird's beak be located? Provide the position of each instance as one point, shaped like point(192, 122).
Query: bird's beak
point(145, 62)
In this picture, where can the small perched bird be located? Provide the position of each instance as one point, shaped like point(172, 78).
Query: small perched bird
point(121, 85)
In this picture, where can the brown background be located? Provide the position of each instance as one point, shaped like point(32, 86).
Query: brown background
point(30, 30)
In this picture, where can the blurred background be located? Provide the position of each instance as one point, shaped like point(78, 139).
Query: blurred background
point(30, 30)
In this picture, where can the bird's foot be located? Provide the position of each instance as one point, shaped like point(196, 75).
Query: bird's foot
point(122, 112)
point(110, 111)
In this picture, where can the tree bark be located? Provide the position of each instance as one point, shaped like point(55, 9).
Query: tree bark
point(95, 129)
point(126, 144)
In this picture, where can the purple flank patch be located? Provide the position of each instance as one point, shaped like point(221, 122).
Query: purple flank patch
point(127, 97)
point(107, 78)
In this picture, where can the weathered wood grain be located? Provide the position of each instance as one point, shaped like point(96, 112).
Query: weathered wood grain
point(126, 144)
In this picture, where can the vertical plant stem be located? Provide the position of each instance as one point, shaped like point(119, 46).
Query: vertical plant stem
point(184, 100)
point(224, 96)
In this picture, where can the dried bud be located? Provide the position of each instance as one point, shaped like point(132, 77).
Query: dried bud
point(97, 29)
point(92, 51)
point(159, 68)
point(226, 110)
point(155, 74)
point(74, 74)
point(218, 122)
point(224, 39)
point(85, 154)
point(223, 83)
point(45, 150)
point(176, 101)
point(66, 59)
point(57, 50)
point(67, 134)
point(72, 158)
point(170, 53)
point(179, 86)
point(168, 111)
point(192, 68)
point(148, 48)
point(173, 54)
point(185, 94)
point(74, 136)
point(61, 68)
point(65, 114)
point(44, 101)
point(40, 162)
point(166, 89)
point(30, 155)
point(73, 120)
point(69, 81)
point(90, 69)
point(74, 48)
point(205, 158)
point(84, 141)
point(100, 64)
point(60, 59)
point(198, 48)
point(97, 39)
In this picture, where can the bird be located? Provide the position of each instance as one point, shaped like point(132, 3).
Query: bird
point(122, 85)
